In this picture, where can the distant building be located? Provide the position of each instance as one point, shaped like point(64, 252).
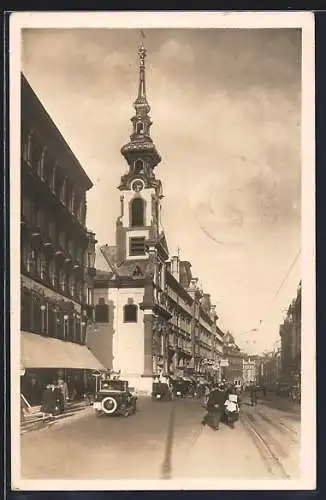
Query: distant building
point(249, 370)
point(269, 369)
point(151, 317)
point(233, 356)
point(57, 255)
point(290, 333)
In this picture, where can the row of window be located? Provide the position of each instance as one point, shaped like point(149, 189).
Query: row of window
point(51, 273)
point(50, 319)
point(37, 218)
point(174, 301)
point(36, 155)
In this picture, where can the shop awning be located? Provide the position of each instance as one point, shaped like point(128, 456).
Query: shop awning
point(46, 352)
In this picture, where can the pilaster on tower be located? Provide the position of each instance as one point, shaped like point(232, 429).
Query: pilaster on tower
point(140, 152)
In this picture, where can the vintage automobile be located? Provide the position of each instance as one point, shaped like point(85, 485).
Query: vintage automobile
point(182, 388)
point(114, 398)
point(161, 392)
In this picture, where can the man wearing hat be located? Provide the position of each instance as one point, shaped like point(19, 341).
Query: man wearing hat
point(215, 406)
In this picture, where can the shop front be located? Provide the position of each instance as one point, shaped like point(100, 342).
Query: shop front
point(44, 360)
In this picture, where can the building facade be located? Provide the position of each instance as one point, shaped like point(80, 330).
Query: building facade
point(151, 317)
point(269, 369)
point(57, 255)
point(290, 333)
point(232, 370)
point(249, 370)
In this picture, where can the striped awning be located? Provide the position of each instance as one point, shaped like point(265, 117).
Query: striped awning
point(47, 352)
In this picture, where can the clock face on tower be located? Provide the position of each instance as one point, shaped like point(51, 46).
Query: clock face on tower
point(137, 185)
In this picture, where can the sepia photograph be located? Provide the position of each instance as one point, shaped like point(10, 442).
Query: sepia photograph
point(162, 251)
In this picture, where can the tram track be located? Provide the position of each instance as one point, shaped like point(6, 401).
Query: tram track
point(258, 426)
point(291, 434)
point(265, 444)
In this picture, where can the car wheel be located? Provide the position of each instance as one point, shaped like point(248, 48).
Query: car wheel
point(109, 405)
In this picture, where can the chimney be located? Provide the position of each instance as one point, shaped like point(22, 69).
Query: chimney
point(212, 312)
point(175, 267)
point(206, 302)
point(185, 273)
point(193, 287)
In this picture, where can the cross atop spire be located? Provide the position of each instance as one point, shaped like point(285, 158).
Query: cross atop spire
point(141, 105)
point(142, 87)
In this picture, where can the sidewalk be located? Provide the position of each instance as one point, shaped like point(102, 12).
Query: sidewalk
point(280, 403)
point(33, 420)
point(275, 402)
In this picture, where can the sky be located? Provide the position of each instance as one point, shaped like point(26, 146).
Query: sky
point(226, 112)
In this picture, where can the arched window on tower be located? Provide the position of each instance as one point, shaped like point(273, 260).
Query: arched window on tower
point(139, 128)
point(139, 166)
point(130, 313)
point(137, 212)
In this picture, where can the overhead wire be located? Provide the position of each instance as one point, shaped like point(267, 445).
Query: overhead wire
point(288, 272)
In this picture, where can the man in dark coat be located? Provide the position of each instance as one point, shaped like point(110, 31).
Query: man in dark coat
point(215, 406)
point(253, 389)
point(50, 402)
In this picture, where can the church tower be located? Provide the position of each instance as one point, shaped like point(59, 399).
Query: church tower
point(135, 284)
point(141, 192)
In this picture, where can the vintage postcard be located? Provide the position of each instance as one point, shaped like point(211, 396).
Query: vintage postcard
point(162, 251)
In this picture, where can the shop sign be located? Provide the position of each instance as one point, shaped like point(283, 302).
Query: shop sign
point(224, 362)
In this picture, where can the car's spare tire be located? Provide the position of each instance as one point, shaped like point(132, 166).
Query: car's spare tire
point(109, 405)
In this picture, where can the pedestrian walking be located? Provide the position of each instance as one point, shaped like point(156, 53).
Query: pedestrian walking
point(51, 401)
point(215, 406)
point(253, 394)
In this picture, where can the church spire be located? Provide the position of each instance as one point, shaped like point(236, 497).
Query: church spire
point(141, 105)
point(140, 152)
